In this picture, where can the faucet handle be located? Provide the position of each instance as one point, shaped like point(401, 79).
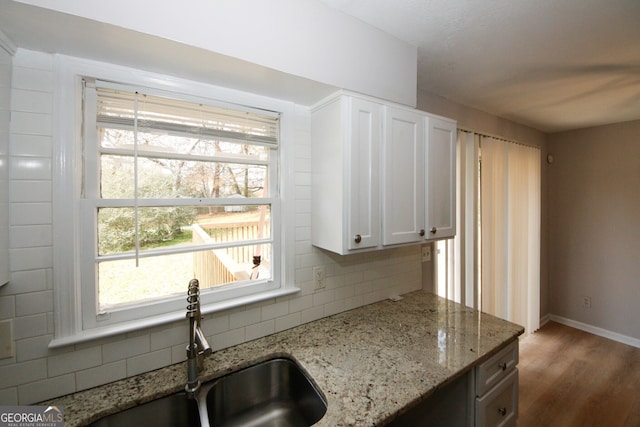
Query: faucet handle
point(204, 349)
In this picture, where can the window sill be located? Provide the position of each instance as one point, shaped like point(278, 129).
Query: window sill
point(96, 333)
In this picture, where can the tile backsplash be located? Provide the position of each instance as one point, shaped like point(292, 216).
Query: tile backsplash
point(36, 373)
point(5, 114)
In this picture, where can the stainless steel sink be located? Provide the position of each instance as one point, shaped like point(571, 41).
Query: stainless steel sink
point(173, 410)
point(272, 393)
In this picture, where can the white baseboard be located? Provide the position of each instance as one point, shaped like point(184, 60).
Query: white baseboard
point(635, 342)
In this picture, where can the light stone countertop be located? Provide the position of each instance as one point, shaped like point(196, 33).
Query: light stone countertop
point(369, 363)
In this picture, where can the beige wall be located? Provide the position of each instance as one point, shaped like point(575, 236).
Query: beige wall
point(205, 35)
point(594, 207)
point(478, 121)
point(485, 123)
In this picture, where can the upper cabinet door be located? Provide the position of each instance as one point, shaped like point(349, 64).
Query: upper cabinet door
point(345, 174)
point(441, 178)
point(403, 176)
point(364, 160)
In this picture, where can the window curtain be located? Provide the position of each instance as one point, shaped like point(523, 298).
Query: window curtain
point(510, 231)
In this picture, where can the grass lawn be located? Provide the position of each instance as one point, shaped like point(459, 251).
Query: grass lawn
point(122, 281)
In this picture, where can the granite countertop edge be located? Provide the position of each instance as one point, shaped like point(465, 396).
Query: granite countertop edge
point(370, 363)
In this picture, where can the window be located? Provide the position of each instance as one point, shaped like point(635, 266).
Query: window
point(168, 186)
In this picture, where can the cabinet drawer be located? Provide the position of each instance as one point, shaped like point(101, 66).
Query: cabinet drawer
point(499, 407)
point(496, 368)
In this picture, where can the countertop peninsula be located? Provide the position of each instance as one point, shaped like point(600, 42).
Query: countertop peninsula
point(370, 363)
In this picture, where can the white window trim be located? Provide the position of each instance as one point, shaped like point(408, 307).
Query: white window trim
point(68, 313)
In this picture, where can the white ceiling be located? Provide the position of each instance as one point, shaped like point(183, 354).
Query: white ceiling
point(551, 64)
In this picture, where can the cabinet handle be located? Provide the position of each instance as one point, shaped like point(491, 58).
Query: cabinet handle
point(422, 232)
point(358, 238)
point(502, 411)
point(433, 230)
point(503, 366)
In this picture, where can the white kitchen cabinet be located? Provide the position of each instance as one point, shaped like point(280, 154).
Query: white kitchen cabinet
point(440, 181)
point(496, 384)
point(345, 150)
point(403, 189)
point(381, 175)
point(499, 407)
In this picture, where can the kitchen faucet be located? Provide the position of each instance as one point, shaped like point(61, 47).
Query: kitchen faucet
point(198, 347)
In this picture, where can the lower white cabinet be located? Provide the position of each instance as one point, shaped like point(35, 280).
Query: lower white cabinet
point(499, 406)
point(496, 389)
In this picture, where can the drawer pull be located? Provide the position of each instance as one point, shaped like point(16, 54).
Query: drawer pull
point(502, 411)
point(503, 366)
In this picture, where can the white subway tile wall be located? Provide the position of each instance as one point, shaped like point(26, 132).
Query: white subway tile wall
point(6, 69)
point(37, 373)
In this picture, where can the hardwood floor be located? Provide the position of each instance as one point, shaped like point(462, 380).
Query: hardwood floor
point(572, 378)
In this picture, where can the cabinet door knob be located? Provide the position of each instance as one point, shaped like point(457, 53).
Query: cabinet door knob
point(503, 366)
point(502, 411)
point(433, 230)
point(422, 232)
point(358, 238)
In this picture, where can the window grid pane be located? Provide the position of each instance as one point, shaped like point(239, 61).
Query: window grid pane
point(164, 276)
point(159, 149)
point(169, 178)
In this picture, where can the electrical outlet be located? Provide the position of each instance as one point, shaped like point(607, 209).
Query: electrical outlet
point(426, 253)
point(318, 277)
point(586, 302)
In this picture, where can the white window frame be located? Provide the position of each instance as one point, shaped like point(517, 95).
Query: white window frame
point(72, 316)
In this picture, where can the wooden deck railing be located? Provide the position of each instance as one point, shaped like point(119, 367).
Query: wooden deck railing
point(233, 232)
point(215, 267)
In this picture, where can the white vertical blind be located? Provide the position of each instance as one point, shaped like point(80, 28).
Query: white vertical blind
point(467, 239)
point(456, 266)
point(510, 231)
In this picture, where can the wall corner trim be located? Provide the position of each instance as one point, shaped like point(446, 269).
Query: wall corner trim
point(546, 319)
point(7, 44)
